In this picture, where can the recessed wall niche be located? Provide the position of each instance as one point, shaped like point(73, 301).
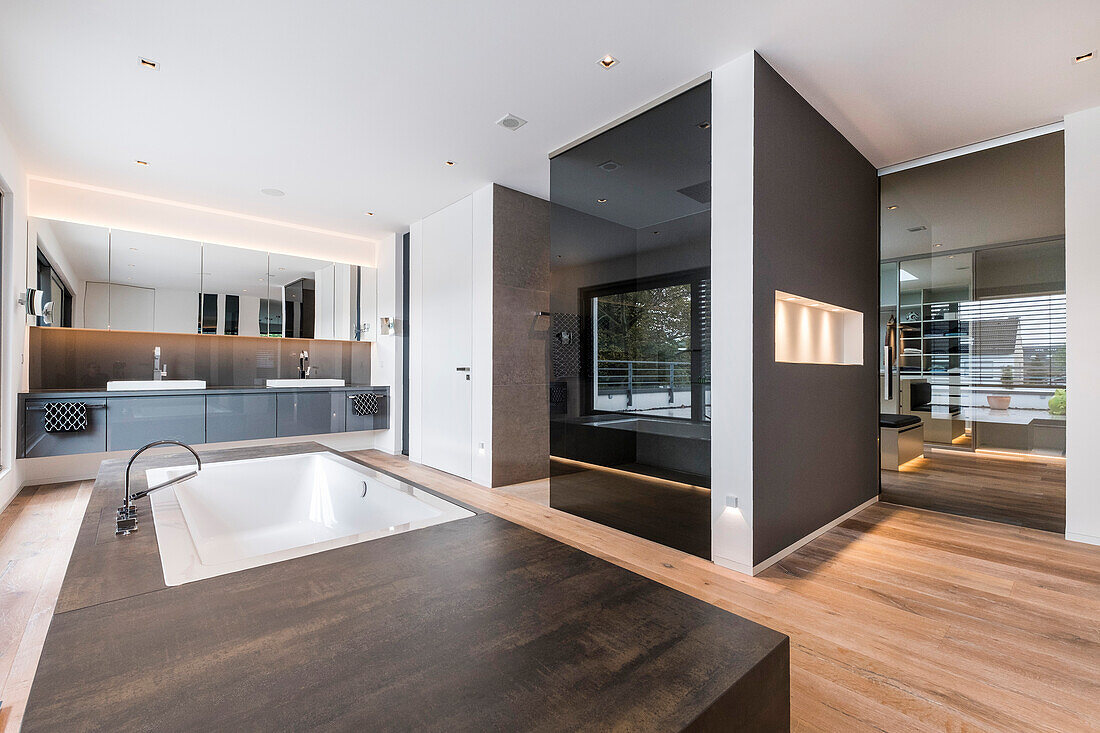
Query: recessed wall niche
point(809, 331)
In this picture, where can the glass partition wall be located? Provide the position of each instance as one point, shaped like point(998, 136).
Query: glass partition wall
point(630, 341)
point(973, 308)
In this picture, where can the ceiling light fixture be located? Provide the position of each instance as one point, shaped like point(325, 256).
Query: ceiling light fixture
point(703, 125)
point(272, 192)
point(370, 213)
point(892, 207)
point(449, 163)
point(142, 162)
point(938, 244)
point(656, 231)
point(601, 201)
point(608, 61)
point(148, 63)
point(1082, 58)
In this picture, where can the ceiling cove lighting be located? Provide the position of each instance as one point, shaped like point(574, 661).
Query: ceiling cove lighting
point(1083, 58)
point(608, 61)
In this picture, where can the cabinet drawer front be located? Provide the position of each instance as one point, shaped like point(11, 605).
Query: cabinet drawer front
point(38, 443)
point(310, 413)
point(134, 421)
point(239, 417)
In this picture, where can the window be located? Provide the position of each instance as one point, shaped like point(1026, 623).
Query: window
point(57, 293)
point(650, 350)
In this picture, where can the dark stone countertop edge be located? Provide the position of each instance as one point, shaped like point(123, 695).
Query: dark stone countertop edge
point(35, 394)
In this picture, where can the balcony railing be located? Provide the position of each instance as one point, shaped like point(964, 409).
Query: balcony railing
point(636, 377)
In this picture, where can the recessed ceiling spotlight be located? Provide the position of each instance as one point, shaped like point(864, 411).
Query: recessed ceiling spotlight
point(703, 125)
point(892, 207)
point(244, 290)
point(148, 63)
point(601, 201)
point(950, 257)
point(915, 229)
point(938, 244)
point(129, 265)
point(608, 61)
point(656, 231)
point(609, 165)
point(449, 163)
point(370, 213)
point(142, 162)
point(1082, 58)
point(272, 192)
point(282, 268)
point(133, 249)
point(511, 122)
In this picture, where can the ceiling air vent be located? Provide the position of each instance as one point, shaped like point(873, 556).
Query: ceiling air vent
point(609, 165)
point(699, 192)
point(916, 229)
point(511, 122)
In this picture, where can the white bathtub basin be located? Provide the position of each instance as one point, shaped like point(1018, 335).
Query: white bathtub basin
point(242, 514)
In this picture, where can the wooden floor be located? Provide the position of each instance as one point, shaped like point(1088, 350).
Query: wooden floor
point(37, 533)
point(1029, 491)
point(900, 619)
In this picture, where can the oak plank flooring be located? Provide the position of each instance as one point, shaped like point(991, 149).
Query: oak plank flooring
point(900, 618)
point(1029, 491)
point(37, 532)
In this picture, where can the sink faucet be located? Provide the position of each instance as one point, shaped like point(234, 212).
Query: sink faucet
point(304, 369)
point(158, 371)
point(126, 517)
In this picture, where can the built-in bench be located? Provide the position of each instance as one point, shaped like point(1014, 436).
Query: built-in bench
point(901, 439)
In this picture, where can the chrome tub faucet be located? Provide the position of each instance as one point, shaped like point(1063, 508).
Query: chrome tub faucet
point(126, 516)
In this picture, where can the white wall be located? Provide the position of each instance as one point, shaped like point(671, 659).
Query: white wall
point(13, 219)
point(731, 311)
point(1082, 305)
point(385, 354)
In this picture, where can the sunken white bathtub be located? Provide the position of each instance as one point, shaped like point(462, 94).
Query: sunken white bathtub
point(242, 514)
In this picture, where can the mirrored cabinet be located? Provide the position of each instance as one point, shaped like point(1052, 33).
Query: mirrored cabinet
point(101, 278)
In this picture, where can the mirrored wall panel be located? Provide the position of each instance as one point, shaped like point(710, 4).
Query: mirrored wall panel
point(112, 279)
point(630, 325)
point(974, 307)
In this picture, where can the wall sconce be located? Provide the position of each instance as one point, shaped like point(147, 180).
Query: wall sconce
point(35, 303)
point(386, 327)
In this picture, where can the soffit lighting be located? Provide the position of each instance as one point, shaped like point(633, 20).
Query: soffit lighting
point(272, 192)
point(810, 303)
point(608, 61)
point(148, 63)
point(1083, 58)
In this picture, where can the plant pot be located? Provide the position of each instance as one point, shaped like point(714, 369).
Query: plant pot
point(999, 401)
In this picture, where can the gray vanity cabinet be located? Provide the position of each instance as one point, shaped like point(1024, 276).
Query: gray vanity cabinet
point(239, 417)
point(310, 412)
point(38, 442)
point(134, 421)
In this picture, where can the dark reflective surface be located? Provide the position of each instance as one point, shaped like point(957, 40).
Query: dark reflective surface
point(630, 342)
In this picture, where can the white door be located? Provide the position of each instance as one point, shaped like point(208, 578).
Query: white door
point(446, 328)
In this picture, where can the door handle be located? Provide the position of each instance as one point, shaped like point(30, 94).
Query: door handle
point(462, 369)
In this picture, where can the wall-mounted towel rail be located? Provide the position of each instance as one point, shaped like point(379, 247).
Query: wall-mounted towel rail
point(40, 408)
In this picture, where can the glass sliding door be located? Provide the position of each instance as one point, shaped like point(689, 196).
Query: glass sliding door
point(974, 248)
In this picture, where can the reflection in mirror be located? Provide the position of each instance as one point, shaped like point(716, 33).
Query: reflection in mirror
point(154, 283)
point(300, 295)
point(234, 291)
point(72, 269)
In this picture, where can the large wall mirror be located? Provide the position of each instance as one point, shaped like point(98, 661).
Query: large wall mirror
point(105, 278)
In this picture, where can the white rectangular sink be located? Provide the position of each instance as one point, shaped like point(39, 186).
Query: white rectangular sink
point(243, 514)
point(305, 383)
point(140, 384)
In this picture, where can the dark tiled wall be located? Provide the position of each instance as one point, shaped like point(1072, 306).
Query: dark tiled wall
point(68, 358)
point(521, 289)
point(815, 231)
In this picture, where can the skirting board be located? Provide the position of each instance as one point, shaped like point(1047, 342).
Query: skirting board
point(1086, 538)
point(761, 567)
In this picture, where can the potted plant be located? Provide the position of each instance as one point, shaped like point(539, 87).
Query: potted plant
point(1002, 401)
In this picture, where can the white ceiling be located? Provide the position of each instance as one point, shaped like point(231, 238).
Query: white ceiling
point(353, 107)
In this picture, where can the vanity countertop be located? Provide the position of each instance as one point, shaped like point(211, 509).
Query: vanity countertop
point(476, 624)
point(102, 391)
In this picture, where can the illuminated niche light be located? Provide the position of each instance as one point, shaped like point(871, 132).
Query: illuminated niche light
point(809, 331)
